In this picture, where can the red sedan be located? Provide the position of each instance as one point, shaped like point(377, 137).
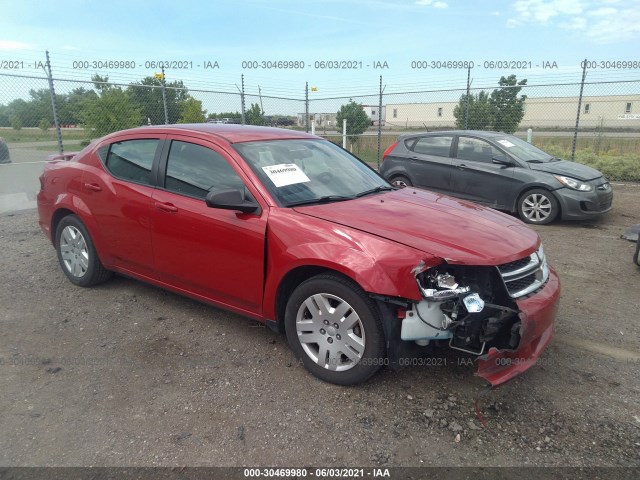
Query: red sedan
point(291, 230)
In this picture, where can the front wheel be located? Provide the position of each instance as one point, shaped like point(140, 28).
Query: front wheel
point(538, 207)
point(335, 329)
point(77, 255)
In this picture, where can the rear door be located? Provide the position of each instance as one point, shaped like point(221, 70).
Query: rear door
point(430, 159)
point(475, 177)
point(214, 253)
point(118, 194)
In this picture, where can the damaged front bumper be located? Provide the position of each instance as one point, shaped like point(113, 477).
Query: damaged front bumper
point(504, 315)
point(537, 319)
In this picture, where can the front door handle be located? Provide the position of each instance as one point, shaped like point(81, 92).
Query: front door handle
point(166, 207)
point(462, 166)
point(94, 187)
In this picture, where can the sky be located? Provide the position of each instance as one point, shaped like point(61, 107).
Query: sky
point(390, 34)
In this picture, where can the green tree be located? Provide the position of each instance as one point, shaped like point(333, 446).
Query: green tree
point(16, 123)
point(357, 119)
point(192, 111)
point(111, 111)
point(254, 116)
point(480, 112)
point(147, 94)
point(44, 124)
point(508, 107)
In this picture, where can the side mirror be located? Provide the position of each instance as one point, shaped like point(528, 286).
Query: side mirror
point(231, 199)
point(504, 161)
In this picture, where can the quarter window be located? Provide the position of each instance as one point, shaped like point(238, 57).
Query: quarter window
point(131, 160)
point(195, 170)
point(476, 150)
point(438, 146)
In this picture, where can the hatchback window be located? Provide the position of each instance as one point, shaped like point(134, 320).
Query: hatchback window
point(438, 146)
point(476, 150)
point(132, 160)
point(195, 170)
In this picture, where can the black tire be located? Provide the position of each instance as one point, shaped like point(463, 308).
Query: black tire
point(84, 273)
point(538, 206)
point(636, 257)
point(358, 364)
point(401, 181)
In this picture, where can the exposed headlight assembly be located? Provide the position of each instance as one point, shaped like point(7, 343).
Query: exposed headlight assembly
point(573, 184)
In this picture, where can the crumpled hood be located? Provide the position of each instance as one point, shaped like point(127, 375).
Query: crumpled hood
point(455, 230)
point(567, 168)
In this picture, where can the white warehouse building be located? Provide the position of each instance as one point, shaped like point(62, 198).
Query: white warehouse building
point(611, 111)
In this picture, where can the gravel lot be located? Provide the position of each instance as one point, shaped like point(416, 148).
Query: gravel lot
point(129, 375)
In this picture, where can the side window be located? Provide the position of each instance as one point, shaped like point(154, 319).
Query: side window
point(195, 170)
point(476, 150)
point(438, 146)
point(131, 160)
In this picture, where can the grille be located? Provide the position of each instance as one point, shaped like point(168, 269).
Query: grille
point(525, 276)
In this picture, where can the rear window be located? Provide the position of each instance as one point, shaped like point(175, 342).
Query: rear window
point(132, 160)
point(439, 146)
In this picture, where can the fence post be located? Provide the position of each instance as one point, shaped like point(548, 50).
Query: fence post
point(164, 99)
point(575, 131)
point(306, 107)
point(344, 133)
point(466, 101)
point(242, 105)
point(380, 122)
point(54, 106)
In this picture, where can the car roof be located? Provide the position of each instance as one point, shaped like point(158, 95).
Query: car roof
point(478, 133)
point(232, 133)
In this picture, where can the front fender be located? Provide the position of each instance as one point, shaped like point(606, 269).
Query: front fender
point(378, 265)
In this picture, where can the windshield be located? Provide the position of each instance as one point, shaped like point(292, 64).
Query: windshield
point(300, 172)
point(524, 151)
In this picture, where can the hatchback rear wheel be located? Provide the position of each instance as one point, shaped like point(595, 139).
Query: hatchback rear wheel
point(401, 181)
point(335, 329)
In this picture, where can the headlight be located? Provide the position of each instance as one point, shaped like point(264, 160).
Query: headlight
point(573, 183)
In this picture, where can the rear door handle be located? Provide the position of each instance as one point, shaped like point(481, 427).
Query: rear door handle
point(94, 187)
point(166, 207)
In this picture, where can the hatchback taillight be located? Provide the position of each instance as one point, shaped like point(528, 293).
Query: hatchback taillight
point(388, 150)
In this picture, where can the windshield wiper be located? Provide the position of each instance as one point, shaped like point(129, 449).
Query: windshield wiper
point(535, 161)
point(325, 199)
point(381, 188)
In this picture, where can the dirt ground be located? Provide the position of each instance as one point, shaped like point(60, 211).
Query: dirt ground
point(129, 375)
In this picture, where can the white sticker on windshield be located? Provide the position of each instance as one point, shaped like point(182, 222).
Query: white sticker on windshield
point(285, 174)
point(506, 143)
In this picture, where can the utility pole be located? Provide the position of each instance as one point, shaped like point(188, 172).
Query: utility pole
point(54, 105)
point(164, 99)
point(575, 131)
point(466, 103)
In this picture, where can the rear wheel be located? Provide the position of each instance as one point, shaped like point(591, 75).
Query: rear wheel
point(538, 206)
point(636, 257)
point(77, 255)
point(335, 329)
point(401, 181)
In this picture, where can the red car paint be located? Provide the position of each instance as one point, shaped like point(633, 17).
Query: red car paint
point(238, 261)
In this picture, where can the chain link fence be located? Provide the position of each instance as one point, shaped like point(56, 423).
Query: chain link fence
point(592, 121)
